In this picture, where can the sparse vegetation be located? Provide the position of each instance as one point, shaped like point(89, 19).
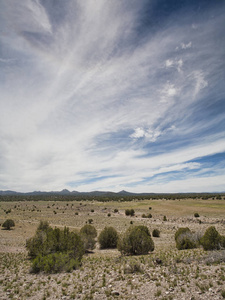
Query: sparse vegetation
point(8, 224)
point(105, 274)
point(185, 239)
point(129, 212)
point(108, 238)
point(136, 241)
point(88, 235)
point(155, 233)
point(211, 240)
point(147, 216)
point(54, 250)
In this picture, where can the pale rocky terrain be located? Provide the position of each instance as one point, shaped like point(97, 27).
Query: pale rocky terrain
point(104, 274)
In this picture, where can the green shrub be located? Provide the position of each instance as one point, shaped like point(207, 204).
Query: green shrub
point(211, 240)
point(129, 212)
point(115, 210)
point(185, 239)
point(89, 230)
point(180, 231)
point(50, 248)
point(156, 233)
point(133, 266)
point(222, 241)
point(136, 241)
point(43, 226)
point(108, 238)
point(55, 263)
point(147, 216)
point(164, 218)
point(196, 215)
point(8, 224)
point(88, 234)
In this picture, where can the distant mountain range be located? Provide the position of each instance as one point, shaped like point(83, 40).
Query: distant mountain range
point(67, 192)
point(122, 193)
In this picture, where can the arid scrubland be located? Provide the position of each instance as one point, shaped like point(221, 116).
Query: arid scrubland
point(165, 273)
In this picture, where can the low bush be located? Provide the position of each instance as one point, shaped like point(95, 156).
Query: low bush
point(196, 215)
point(180, 231)
point(147, 216)
point(156, 233)
point(108, 238)
point(89, 230)
point(212, 240)
point(185, 239)
point(136, 241)
point(8, 224)
point(129, 212)
point(88, 234)
point(132, 267)
point(222, 241)
point(51, 249)
point(55, 263)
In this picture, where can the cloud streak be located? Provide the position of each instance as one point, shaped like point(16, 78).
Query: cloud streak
point(94, 98)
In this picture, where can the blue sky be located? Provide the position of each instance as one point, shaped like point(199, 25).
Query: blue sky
point(112, 95)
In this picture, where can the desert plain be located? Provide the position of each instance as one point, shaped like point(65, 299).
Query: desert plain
point(166, 273)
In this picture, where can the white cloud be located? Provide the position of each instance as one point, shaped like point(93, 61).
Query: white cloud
point(186, 46)
point(169, 63)
point(168, 92)
point(201, 83)
point(138, 133)
point(197, 185)
point(72, 89)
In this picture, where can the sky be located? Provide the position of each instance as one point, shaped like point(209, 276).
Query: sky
point(112, 95)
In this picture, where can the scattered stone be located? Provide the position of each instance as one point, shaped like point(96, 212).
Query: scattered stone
point(115, 293)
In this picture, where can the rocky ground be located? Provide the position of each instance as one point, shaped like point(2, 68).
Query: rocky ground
point(164, 274)
point(177, 275)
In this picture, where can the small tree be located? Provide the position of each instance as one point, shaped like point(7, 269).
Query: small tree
point(54, 250)
point(8, 224)
point(88, 234)
point(180, 231)
point(129, 212)
point(156, 233)
point(185, 239)
point(211, 240)
point(136, 241)
point(108, 238)
point(147, 216)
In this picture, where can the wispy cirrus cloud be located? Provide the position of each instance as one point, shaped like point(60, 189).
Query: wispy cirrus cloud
point(94, 98)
